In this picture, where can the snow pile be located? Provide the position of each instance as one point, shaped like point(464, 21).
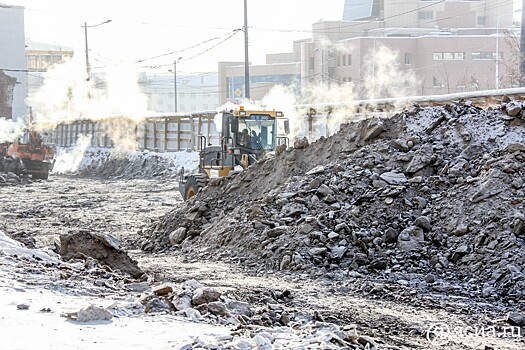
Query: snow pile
point(107, 163)
point(10, 247)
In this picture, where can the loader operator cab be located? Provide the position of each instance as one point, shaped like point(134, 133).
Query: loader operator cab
point(246, 136)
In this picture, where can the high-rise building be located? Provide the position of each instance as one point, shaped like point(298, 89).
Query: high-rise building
point(13, 80)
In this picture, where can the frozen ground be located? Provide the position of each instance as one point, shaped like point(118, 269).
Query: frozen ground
point(41, 211)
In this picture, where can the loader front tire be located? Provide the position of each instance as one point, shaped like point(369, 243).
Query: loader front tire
point(193, 184)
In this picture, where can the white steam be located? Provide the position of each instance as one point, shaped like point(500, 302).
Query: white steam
point(10, 130)
point(66, 94)
point(382, 78)
point(69, 161)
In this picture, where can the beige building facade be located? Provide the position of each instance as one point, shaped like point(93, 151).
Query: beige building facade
point(447, 46)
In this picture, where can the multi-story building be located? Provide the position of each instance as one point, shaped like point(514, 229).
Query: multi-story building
point(447, 46)
point(13, 80)
point(195, 93)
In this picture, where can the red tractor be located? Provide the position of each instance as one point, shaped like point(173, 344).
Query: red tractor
point(29, 156)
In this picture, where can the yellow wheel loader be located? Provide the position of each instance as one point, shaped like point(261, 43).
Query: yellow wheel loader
point(246, 137)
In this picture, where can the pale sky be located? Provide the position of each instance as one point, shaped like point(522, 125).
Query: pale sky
point(143, 29)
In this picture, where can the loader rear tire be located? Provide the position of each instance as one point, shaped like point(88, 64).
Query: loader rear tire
point(193, 184)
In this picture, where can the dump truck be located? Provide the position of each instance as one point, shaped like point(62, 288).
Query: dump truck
point(246, 136)
point(28, 155)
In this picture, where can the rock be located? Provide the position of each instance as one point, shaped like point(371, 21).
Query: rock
point(301, 143)
point(277, 231)
point(410, 239)
point(324, 191)
point(423, 222)
point(162, 290)
point(193, 315)
point(400, 145)
point(393, 178)
point(513, 108)
point(138, 287)
point(155, 305)
point(239, 308)
point(218, 309)
point(390, 236)
point(430, 278)
point(22, 307)
point(205, 295)
point(93, 313)
point(317, 251)
point(317, 170)
point(516, 319)
point(375, 129)
point(285, 262)
point(177, 236)
point(182, 302)
point(280, 149)
point(421, 159)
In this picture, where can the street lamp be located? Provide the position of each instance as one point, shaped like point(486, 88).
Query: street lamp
point(175, 82)
point(497, 48)
point(88, 67)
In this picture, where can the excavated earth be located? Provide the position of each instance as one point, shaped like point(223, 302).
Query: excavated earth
point(424, 208)
point(399, 233)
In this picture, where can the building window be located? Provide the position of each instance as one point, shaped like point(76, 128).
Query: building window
point(205, 107)
point(349, 61)
point(484, 56)
point(193, 108)
point(344, 60)
point(408, 58)
point(481, 20)
point(448, 56)
point(338, 61)
point(422, 15)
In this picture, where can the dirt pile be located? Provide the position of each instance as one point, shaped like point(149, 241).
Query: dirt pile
point(103, 248)
point(430, 198)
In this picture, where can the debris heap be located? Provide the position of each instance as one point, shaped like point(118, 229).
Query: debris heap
point(432, 194)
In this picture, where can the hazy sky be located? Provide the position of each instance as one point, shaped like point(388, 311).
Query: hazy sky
point(143, 29)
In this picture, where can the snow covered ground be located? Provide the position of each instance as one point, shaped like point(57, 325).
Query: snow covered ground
point(34, 299)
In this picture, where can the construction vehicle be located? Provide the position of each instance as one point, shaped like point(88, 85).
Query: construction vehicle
point(29, 155)
point(246, 137)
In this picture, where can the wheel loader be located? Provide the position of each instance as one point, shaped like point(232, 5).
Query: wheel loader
point(246, 136)
point(28, 155)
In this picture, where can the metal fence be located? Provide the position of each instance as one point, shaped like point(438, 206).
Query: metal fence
point(165, 134)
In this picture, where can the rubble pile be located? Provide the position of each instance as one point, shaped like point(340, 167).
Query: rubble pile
point(430, 195)
point(267, 323)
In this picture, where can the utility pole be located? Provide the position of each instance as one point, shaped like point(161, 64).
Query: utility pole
point(176, 108)
point(246, 60)
point(88, 68)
